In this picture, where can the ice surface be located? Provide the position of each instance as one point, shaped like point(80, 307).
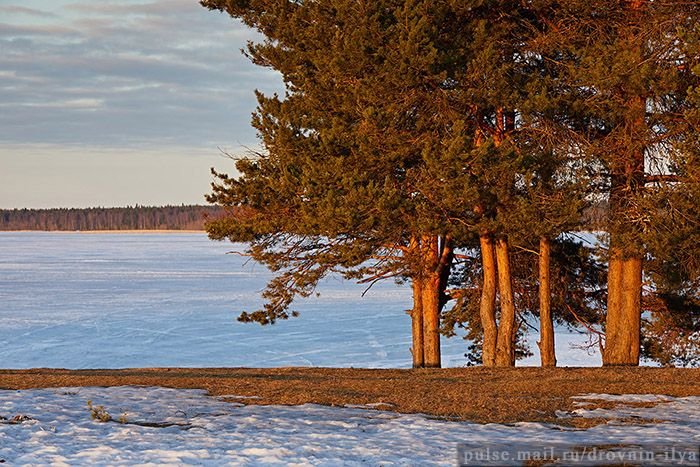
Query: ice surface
point(192, 428)
point(74, 300)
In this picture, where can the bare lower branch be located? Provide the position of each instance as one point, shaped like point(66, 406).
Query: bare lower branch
point(585, 324)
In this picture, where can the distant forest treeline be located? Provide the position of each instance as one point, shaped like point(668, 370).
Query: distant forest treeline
point(126, 218)
point(146, 218)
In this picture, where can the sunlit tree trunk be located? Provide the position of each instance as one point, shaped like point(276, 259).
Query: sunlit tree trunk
point(546, 343)
point(417, 349)
point(437, 262)
point(431, 322)
point(487, 307)
point(417, 324)
point(505, 347)
point(431, 302)
point(623, 320)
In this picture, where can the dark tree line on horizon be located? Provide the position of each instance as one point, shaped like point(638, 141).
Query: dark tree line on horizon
point(183, 217)
point(457, 145)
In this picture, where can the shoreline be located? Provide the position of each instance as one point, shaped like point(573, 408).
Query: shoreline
point(476, 394)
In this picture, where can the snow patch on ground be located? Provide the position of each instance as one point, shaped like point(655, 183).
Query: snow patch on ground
point(168, 426)
point(667, 409)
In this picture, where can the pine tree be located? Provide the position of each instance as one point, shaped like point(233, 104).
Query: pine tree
point(671, 331)
point(510, 173)
point(338, 185)
point(622, 65)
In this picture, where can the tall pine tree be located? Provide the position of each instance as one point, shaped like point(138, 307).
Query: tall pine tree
point(338, 184)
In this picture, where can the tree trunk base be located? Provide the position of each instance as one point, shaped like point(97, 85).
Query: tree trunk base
point(623, 321)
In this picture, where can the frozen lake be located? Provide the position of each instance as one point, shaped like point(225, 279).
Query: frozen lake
point(79, 300)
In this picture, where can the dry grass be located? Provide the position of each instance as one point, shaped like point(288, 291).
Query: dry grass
point(475, 394)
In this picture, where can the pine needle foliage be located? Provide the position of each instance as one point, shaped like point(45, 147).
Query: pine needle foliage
point(410, 130)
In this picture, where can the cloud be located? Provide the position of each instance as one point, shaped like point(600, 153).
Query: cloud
point(149, 8)
point(22, 10)
point(13, 31)
point(127, 74)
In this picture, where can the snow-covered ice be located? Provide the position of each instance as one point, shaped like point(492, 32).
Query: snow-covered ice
point(75, 300)
point(193, 428)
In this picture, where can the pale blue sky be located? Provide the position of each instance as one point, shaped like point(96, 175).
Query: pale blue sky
point(120, 102)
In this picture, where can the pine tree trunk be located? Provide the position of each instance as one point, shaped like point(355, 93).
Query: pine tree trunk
point(445, 267)
point(546, 343)
point(431, 322)
point(431, 302)
point(487, 308)
point(632, 307)
point(505, 348)
point(623, 321)
point(436, 262)
point(417, 350)
point(417, 324)
point(613, 319)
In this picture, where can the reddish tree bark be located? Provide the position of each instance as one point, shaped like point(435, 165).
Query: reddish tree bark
point(505, 347)
point(546, 342)
point(487, 308)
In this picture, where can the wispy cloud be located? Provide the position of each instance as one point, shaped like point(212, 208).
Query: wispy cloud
point(25, 11)
point(126, 73)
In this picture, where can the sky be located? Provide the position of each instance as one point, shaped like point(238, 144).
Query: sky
point(121, 102)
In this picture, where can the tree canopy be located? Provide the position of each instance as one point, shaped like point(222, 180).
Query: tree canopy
point(441, 143)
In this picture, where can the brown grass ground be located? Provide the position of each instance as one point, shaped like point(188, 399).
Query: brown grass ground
point(474, 394)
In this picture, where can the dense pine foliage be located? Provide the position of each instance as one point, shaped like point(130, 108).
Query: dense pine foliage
point(458, 145)
point(126, 218)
